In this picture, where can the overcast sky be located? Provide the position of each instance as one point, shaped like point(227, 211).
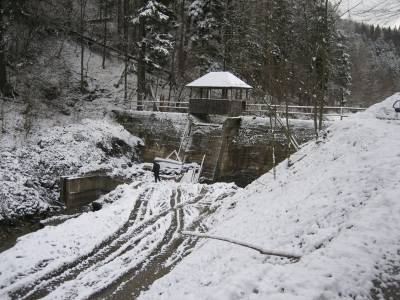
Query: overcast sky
point(383, 12)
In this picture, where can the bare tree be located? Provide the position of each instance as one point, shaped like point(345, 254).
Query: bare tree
point(141, 64)
point(126, 47)
point(3, 63)
point(82, 31)
point(105, 21)
point(120, 17)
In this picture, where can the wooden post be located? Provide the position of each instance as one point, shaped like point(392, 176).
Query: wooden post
point(224, 94)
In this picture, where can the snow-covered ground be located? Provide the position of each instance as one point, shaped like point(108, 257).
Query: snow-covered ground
point(136, 231)
point(337, 206)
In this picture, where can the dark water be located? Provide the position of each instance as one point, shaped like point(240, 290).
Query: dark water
point(9, 233)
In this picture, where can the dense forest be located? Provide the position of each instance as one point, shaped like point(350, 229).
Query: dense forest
point(375, 61)
point(296, 51)
point(390, 35)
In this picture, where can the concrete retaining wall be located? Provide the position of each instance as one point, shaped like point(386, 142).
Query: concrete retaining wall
point(79, 191)
point(237, 149)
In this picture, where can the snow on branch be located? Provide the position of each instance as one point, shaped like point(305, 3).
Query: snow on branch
point(244, 244)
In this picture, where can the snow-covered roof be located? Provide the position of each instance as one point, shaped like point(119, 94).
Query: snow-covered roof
point(219, 80)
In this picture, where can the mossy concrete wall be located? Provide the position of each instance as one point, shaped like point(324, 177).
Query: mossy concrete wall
point(161, 132)
point(237, 149)
point(248, 147)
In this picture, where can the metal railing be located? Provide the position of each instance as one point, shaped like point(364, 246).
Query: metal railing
point(299, 110)
point(163, 106)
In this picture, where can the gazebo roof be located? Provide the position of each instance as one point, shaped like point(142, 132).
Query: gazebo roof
point(219, 80)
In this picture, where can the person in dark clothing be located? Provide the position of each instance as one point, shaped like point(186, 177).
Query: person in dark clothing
point(156, 171)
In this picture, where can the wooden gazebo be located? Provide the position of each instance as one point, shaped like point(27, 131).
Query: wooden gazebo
point(218, 93)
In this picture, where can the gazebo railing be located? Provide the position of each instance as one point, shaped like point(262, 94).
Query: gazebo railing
point(216, 106)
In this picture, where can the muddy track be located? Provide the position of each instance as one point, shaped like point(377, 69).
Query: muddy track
point(134, 278)
point(134, 282)
point(42, 286)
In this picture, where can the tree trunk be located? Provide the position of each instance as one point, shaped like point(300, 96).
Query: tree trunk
point(325, 77)
point(119, 17)
point(141, 69)
point(225, 38)
point(3, 63)
point(172, 75)
point(315, 116)
point(82, 83)
point(104, 33)
point(181, 48)
point(126, 48)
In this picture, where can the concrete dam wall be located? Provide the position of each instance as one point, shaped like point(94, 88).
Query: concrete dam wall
point(237, 149)
point(77, 191)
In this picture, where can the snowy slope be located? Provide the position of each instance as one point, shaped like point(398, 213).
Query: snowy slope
point(29, 174)
point(43, 137)
point(338, 207)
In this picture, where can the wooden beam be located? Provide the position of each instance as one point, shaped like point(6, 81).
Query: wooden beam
point(243, 244)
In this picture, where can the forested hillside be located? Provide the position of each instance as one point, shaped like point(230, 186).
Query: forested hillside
point(297, 51)
point(375, 61)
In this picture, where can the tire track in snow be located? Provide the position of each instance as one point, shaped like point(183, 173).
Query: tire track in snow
point(162, 250)
point(70, 289)
point(42, 286)
point(133, 279)
point(139, 279)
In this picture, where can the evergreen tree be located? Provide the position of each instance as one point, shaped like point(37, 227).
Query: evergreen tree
point(154, 40)
point(207, 18)
point(243, 51)
point(279, 46)
point(341, 69)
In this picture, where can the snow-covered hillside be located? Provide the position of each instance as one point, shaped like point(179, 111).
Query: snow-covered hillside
point(337, 206)
point(29, 175)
